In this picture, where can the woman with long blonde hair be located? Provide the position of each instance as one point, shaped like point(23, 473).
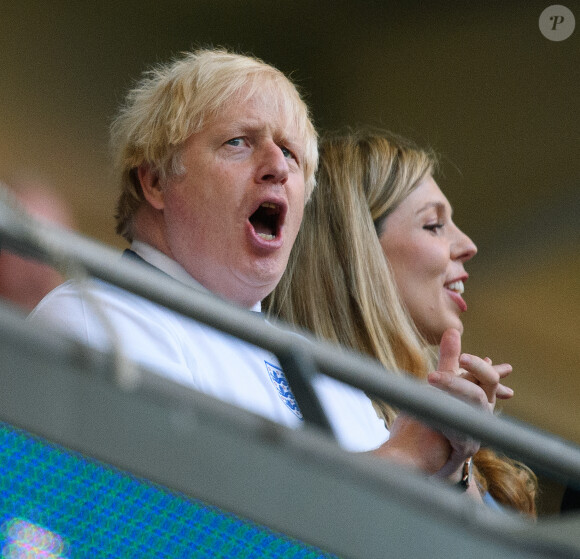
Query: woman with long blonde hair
point(378, 267)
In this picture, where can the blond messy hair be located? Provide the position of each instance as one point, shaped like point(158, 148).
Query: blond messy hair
point(174, 100)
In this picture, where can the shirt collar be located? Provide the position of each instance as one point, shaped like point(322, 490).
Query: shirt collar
point(171, 267)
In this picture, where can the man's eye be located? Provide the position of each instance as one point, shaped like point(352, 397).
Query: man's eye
point(287, 152)
point(235, 142)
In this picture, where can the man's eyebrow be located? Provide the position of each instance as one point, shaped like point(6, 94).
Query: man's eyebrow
point(240, 124)
point(291, 142)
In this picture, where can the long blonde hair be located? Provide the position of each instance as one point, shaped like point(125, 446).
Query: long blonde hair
point(331, 285)
point(338, 283)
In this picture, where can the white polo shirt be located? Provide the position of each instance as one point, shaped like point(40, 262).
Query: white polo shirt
point(201, 357)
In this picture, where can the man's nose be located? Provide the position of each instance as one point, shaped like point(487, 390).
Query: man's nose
point(272, 165)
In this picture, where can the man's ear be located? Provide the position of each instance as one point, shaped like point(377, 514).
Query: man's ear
point(151, 186)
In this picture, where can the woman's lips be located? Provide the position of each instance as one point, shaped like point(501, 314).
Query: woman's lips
point(458, 299)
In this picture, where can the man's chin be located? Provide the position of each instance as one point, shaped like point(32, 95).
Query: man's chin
point(252, 288)
point(266, 273)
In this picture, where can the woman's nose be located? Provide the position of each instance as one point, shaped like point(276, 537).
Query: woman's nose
point(464, 248)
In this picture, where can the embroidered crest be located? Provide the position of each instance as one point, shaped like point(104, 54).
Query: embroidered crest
point(283, 388)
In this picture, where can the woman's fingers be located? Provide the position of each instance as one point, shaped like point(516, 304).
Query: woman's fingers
point(449, 351)
point(482, 370)
point(504, 392)
point(487, 375)
point(459, 387)
point(503, 370)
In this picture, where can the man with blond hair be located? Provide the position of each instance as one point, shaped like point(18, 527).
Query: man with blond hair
point(216, 155)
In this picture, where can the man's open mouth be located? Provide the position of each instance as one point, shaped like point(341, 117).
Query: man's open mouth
point(266, 220)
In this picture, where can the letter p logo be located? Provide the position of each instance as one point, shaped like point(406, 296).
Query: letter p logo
point(557, 22)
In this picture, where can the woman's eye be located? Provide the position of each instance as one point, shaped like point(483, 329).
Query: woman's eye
point(433, 227)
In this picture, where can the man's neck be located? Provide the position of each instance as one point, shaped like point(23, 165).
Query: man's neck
point(169, 266)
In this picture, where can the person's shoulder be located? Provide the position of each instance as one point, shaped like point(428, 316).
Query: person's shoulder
point(77, 301)
point(66, 292)
point(75, 292)
point(62, 310)
point(491, 502)
point(93, 310)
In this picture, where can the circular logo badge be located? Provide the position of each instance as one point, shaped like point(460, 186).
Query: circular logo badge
point(557, 22)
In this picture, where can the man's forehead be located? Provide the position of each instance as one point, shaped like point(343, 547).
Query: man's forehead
point(258, 112)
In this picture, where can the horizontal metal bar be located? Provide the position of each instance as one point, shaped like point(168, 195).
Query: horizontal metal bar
point(61, 248)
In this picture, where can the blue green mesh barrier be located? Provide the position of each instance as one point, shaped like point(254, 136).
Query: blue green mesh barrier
point(55, 503)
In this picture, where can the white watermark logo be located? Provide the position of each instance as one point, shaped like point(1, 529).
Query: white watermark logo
point(557, 22)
